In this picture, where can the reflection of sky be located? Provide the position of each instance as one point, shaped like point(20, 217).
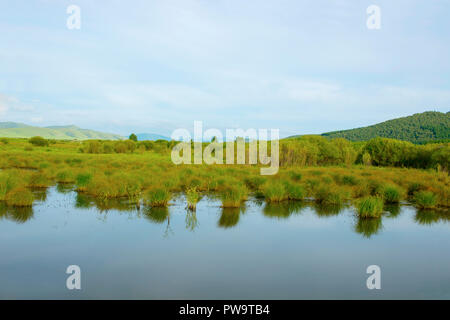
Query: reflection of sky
point(301, 256)
point(300, 66)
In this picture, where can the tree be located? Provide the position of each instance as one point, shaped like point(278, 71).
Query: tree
point(133, 137)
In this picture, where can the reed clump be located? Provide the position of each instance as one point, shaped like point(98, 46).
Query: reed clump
point(233, 196)
point(192, 197)
point(275, 192)
point(157, 197)
point(425, 199)
point(370, 207)
point(392, 194)
point(19, 197)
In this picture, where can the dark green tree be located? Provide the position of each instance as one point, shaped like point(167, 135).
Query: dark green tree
point(133, 137)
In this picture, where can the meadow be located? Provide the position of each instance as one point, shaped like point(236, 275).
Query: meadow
point(368, 175)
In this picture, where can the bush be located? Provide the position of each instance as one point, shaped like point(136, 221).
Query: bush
point(38, 141)
point(370, 207)
point(425, 199)
point(19, 197)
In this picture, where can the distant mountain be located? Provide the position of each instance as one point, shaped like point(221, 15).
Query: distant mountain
point(151, 136)
point(418, 128)
point(20, 130)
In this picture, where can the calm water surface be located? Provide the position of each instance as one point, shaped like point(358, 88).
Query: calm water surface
point(288, 251)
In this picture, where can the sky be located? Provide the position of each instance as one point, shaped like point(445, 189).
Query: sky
point(300, 66)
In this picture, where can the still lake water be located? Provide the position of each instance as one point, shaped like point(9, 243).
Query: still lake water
point(287, 251)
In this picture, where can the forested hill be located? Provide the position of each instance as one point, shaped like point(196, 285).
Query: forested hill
point(418, 128)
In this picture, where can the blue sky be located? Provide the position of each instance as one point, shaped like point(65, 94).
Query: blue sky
point(154, 66)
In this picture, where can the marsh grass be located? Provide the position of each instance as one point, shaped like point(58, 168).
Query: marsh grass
point(233, 196)
point(19, 197)
point(39, 180)
point(370, 207)
point(65, 176)
point(425, 199)
point(275, 191)
point(192, 197)
point(392, 194)
point(157, 197)
point(113, 175)
point(329, 195)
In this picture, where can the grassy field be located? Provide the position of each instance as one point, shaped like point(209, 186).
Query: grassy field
point(146, 176)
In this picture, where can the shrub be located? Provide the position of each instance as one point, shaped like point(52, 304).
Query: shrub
point(157, 197)
point(19, 197)
point(425, 199)
point(370, 207)
point(38, 141)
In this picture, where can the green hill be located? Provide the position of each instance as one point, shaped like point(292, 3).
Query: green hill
point(418, 128)
point(20, 130)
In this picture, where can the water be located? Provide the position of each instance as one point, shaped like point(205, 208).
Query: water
point(289, 251)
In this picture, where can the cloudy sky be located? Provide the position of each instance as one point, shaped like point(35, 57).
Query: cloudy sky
point(303, 66)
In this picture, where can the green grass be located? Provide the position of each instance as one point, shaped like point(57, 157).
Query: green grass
point(329, 195)
point(275, 192)
point(157, 197)
point(233, 196)
point(131, 175)
point(392, 194)
point(192, 197)
point(425, 199)
point(19, 197)
point(370, 207)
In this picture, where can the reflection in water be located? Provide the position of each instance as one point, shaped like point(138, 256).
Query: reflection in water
point(159, 215)
point(327, 210)
point(393, 210)
point(191, 220)
point(85, 202)
point(429, 217)
point(65, 187)
point(282, 210)
point(368, 226)
point(229, 217)
point(40, 194)
point(16, 214)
